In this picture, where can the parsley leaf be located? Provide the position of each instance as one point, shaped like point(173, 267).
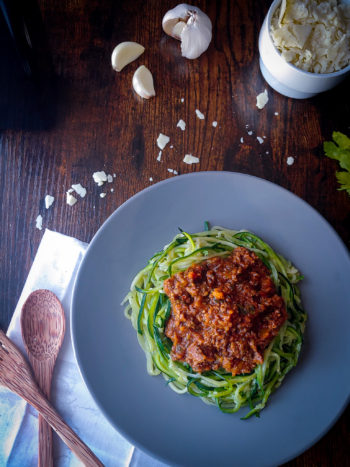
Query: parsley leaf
point(340, 151)
point(344, 179)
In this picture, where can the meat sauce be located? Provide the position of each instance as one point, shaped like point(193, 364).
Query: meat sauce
point(225, 312)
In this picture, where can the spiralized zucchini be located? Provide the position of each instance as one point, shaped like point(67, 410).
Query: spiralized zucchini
point(148, 308)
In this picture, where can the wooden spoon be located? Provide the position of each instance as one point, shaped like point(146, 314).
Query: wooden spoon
point(43, 327)
point(15, 374)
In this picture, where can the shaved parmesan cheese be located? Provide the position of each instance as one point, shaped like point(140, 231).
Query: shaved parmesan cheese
point(48, 201)
point(313, 35)
point(159, 157)
point(109, 178)
point(99, 177)
point(70, 199)
point(290, 160)
point(215, 124)
point(102, 195)
point(181, 124)
point(260, 139)
point(172, 171)
point(262, 99)
point(39, 222)
point(199, 114)
point(189, 159)
point(162, 140)
point(80, 190)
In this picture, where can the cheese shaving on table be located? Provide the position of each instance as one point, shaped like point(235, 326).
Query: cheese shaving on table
point(215, 124)
point(181, 124)
point(48, 201)
point(70, 199)
point(200, 115)
point(162, 141)
point(262, 99)
point(39, 222)
point(189, 159)
point(99, 177)
point(80, 190)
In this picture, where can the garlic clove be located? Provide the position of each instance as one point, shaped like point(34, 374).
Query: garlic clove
point(125, 53)
point(177, 30)
point(142, 82)
point(193, 43)
point(172, 18)
point(191, 26)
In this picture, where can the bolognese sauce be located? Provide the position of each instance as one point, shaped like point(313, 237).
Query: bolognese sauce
point(225, 312)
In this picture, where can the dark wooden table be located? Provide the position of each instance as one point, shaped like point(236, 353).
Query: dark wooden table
point(100, 124)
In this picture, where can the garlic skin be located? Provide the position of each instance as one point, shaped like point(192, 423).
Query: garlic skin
point(125, 53)
point(142, 82)
point(191, 26)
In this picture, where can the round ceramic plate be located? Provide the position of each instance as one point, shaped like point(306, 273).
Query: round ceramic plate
point(181, 429)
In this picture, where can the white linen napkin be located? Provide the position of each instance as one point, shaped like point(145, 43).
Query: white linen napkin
point(54, 268)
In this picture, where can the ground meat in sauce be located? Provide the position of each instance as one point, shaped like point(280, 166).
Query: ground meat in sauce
point(225, 312)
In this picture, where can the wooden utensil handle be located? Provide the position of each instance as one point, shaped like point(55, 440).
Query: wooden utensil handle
point(45, 454)
point(72, 440)
point(43, 370)
point(68, 436)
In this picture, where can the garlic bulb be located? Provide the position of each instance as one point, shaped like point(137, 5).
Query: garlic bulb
point(191, 26)
point(125, 53)
point(142, 82)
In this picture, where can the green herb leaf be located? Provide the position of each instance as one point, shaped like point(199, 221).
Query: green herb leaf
point(342, 140)
point(340, 151)
point(344, 180)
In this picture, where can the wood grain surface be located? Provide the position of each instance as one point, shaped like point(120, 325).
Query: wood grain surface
point(98, 123)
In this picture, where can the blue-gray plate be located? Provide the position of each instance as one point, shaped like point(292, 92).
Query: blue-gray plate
point(181, 429)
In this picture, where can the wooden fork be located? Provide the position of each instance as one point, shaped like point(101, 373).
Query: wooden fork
point(16, 375)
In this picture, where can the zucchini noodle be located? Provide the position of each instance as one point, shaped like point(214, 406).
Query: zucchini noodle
point(148, 308)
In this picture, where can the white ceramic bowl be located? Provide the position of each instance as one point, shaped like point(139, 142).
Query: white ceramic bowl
point(286, 78)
